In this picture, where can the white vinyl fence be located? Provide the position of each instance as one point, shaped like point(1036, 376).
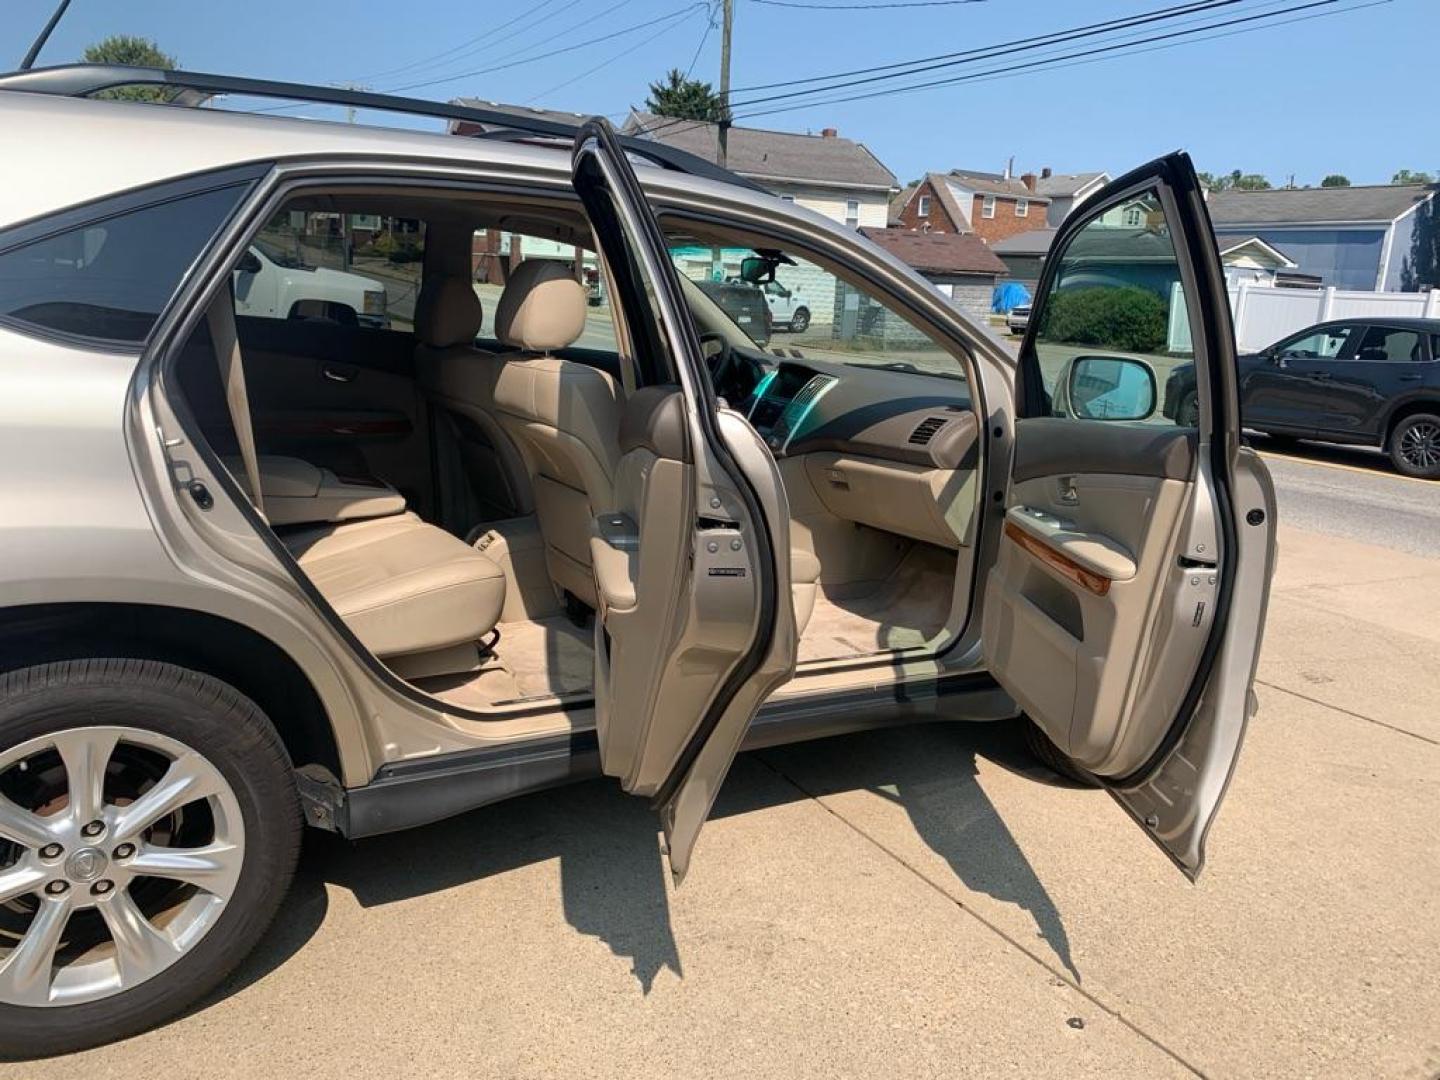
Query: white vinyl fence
point(1263, 314)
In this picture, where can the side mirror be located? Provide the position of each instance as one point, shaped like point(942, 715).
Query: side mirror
point(1111, 388)
point(249, 263)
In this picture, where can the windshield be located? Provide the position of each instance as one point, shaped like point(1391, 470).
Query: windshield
point(797, 308)
point(279, 256)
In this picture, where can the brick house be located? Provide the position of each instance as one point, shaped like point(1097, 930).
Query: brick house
point(990, 205)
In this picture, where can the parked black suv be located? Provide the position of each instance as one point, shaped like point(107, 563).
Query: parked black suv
point(1369, 381)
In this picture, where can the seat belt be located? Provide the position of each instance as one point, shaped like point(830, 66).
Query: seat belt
point(223, 335)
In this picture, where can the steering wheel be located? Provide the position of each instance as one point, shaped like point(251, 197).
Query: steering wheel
point(717, 361)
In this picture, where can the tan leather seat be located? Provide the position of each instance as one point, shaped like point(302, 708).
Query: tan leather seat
point(400, 585)
point(459, 380)
point(563, 416)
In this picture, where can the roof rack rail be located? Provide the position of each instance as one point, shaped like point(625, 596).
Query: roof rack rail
point(85, 80)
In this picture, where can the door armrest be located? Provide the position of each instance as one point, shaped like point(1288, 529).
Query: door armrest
point(1090, 551)
point(615, 559)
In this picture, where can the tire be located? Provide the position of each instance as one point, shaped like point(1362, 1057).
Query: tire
point(253, 821)
point(1052, 757)
point(1187, 413)
point(1414, 446)
point(800, 321)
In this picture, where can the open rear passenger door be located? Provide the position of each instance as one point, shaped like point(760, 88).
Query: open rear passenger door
point(1125, 607)
point(695, 627)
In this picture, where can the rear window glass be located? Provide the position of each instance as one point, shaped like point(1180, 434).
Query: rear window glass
point(109, 279)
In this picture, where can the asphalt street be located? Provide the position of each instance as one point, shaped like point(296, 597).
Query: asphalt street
point(1355, 493)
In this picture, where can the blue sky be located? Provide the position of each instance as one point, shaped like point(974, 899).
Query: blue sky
point(1350, 93)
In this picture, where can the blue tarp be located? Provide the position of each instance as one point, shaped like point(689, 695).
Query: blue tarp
point(1009, 295)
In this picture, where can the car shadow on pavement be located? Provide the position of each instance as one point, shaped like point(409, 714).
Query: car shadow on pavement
point(612, 872)
point(931, 771)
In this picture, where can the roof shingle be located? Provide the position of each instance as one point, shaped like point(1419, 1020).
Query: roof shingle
point(1306, 206)
point(771, 155)
point(937, 252)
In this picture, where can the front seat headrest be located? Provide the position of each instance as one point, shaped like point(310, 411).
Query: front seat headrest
point(447, 312)
point(542, 307)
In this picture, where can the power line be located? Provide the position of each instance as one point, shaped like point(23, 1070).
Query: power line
point(980, 53)
point(867, 7)
point(1045, 41)
point(1025, 44)
point(552, 52)
point(704, 37)
point(426, 60)
point(620, 55)
point(1108, 51)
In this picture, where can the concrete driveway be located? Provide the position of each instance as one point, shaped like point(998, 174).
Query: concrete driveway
point(914, 902)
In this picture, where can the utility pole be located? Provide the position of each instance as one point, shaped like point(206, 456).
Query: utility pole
point(717, 256)
point(726, 26)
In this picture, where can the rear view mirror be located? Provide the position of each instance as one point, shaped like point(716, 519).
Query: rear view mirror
point(756, 270)
point(1111, 388)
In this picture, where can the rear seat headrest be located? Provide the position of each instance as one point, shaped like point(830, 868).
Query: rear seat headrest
point(447, 312)
point(542, 307)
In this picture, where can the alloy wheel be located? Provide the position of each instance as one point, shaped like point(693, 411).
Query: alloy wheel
point(1419, 445)
point(119, 849)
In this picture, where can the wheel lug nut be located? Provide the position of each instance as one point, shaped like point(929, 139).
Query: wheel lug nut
point(124, 851)
point(55, 888)
point(51, 851)
point(100, 888)
point(95, 828)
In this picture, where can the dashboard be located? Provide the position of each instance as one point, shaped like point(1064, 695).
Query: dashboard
point(801, 407)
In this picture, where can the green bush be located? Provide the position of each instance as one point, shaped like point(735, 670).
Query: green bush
point(1115, 317)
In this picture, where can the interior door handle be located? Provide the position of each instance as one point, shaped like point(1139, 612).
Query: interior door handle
point(338, 373)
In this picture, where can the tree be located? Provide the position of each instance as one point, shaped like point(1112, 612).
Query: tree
point(688, 99)
point(1406, 176)
point(131, 51)
point(1234, 180)
point(1248, 181)
point(1335, 180)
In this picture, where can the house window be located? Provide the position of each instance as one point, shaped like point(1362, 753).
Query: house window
point(987, 207)
point(1022, 207)
point(924, 205)
point(1134, 217)
point(852, 213)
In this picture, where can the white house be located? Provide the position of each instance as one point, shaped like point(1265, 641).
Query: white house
point(1067, 191)
point(831, 175)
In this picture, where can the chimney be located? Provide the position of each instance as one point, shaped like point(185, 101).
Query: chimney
point(1010, 167)
point(1045, 173)
point(1028, 179)
point(828, 133)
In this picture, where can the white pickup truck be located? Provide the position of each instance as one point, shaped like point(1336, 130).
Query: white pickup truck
point(271, 283)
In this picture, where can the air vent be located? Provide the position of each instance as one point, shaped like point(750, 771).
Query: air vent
point(926, 429)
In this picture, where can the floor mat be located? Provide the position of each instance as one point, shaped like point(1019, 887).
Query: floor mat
point(546, 657)
point(906, 610)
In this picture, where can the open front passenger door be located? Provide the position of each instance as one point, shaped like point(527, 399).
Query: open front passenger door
point(1125, 607)
point(695, 627)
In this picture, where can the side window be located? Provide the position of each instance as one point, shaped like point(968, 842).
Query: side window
point(1330, 344)
point(1385, 345)
point(109, 279)
point(495, 252)
point(799, 306)
point(351, 269)
point(1111, 340)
